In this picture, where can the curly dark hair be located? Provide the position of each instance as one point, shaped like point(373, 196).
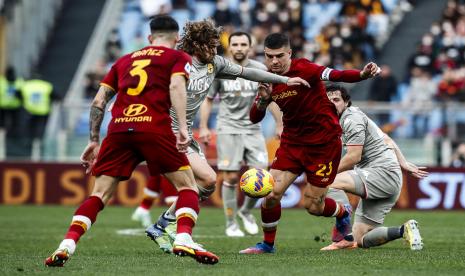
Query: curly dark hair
point(198, 34)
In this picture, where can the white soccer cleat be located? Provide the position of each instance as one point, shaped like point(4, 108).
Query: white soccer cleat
point(143, 216)
point(233, 230)
point(249, 222)
point(412, 235)
point(185, 246)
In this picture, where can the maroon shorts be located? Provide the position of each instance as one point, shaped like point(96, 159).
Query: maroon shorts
point(319, 162)
point(120, 153)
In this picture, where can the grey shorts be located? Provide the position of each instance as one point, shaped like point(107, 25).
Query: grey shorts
point(382, 188)
point(234, 148)
point(195, 147)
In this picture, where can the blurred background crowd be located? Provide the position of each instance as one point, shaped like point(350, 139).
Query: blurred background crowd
point(417, 98)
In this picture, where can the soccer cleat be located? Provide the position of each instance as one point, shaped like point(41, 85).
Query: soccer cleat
point(232, 230)
point(143, 216)
point(343, 226)
point(185, 246)
point(248, 220)
point(58, 258)
point(343, 244)
point(160, 237)
point(259, 248)
point(168, 225)
point(412, 235)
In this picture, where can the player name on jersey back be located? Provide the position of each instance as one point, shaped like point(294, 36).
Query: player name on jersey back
point(142, 80)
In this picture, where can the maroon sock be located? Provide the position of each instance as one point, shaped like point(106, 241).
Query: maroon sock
point(270, 219)
point(84, 217)
point(147, 202)
point(187, 210)
point(330, 208)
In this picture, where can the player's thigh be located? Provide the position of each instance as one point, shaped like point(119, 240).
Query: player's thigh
point(256, 154)
point(117, 157)
point(321, 162)
point(230, 150)
point(104, 187)
point(203, 172)
point(374, 211)
point(282, 181)
point(344, 181)
point(359, 229)
point(182, 179)
point(160, 153)
point(377, 183)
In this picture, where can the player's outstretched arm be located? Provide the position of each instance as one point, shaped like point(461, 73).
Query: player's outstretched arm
point(178, 101)
point(414, 170)
point(205, 110)
point(266, 77)
point(369, 71)
point(97, 112)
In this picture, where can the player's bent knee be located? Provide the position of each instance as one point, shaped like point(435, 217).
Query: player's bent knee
point(206, 192)
point(207, 180)
point(315, 210)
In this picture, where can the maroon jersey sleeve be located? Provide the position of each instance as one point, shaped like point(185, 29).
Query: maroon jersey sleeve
point(317, 72)
point(182, 65)
point(111, 79)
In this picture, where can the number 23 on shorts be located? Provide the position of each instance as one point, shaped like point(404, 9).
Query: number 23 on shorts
point(325, 169)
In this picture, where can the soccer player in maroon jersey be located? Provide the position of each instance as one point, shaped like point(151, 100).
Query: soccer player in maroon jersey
point(147, 83)
point(311, 138)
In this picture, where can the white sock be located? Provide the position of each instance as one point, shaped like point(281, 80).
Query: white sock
point(68, 244)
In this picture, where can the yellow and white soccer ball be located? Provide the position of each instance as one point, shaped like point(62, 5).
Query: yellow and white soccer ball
point(257, 183)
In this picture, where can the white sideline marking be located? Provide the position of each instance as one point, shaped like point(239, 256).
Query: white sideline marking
point(141, 232)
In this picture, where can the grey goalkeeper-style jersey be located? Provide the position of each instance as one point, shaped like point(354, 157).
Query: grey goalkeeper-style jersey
point(201, 78)
point(358, 129)
point(236, 98)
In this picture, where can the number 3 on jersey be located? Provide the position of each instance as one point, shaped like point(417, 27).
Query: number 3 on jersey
point(325, 170)
point(139, 71)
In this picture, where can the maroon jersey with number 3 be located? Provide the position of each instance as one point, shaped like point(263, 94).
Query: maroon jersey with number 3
point(141, 80)
point(309, 117)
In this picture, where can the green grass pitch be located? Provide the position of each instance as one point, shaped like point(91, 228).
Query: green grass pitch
point(28, 234)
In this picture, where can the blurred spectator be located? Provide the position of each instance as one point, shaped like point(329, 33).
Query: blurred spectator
point(113, 47)
point(419, 100)
point(10, 101)
point(93, 79)
point(37, 97)
point(452, 85)
point(458, 157)
point(382, 89)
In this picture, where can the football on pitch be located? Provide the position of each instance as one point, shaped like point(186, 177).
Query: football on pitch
point(257, 183)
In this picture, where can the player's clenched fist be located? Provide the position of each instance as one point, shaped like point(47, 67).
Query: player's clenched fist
point(370, 70)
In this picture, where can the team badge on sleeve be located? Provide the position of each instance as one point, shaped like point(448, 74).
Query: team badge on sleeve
point(325, 74)
point(210, 68)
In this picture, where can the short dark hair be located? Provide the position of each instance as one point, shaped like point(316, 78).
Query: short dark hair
point(164, 24)
point(239, 33)
point(344, 93)
point(277, 40)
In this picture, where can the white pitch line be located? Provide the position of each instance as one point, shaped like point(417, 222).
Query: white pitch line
point(141, 232)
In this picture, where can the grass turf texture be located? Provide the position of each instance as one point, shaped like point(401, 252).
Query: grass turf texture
point(28, 234)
